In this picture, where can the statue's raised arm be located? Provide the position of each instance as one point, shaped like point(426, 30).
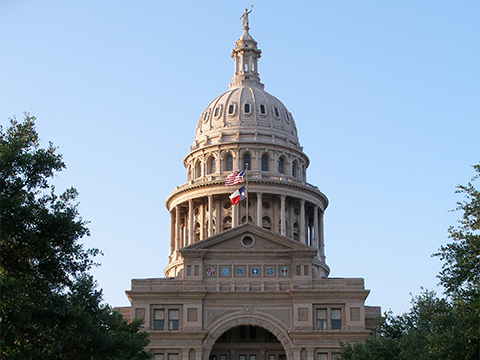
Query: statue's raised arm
point(244, 18)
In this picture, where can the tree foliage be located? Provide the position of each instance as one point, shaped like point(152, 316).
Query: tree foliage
point(50, 305)
point(438, 328)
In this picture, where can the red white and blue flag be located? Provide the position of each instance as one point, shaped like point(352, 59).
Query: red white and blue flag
point(234, 178)
point(238, 196)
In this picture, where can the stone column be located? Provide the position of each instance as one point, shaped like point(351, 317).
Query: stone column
point(234, 216)
point(303, 238)
point(316, 228)
point(190, 222)
point(291, 216)
point(321, 245)
point(210, 215)
point(220, 214)
point(201, 214)
point(177, 228)
point(275, 228)
point(282, 216)
point(259, 209)
point(172, 234)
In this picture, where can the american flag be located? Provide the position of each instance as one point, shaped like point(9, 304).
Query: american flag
point(234, 178)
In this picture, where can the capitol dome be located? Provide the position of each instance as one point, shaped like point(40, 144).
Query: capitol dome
point(246, 111)
point(246, 128)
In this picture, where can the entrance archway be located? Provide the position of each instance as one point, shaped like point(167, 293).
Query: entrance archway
point(247, 342)
point(268, 324)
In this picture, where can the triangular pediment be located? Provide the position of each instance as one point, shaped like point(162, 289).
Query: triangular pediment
point(247, 238)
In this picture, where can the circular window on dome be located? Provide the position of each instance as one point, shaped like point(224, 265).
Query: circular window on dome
point(266, 205)
point(248, 241)
point(227, 205)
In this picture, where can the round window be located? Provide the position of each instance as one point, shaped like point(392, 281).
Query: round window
point(248, 241)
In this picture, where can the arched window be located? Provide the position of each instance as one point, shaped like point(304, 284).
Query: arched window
point(245, 218)
point(265, 162)
point(212, 166)
point(198, 169)
point(229, 163)
point(247, 161)
point(281, 163)
point(294, 169)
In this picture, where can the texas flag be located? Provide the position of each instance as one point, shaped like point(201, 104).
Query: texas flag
point(234, 178)
point(238, 195)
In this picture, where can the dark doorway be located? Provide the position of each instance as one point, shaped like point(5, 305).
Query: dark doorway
point(247, 342)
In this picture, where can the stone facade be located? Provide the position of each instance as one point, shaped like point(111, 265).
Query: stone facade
point(248, 281)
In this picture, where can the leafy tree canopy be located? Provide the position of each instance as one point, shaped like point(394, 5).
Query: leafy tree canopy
point(438, 328)
point(50, 305)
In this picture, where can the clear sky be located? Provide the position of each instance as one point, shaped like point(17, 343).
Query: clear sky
point(385, 95)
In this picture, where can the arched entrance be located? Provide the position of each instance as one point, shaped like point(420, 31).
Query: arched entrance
point(247, 342)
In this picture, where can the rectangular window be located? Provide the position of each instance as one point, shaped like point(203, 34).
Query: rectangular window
point(262, 109)
point(158, 319)
point(252, 357)
point(172, 356)
point(264, 163)
point(321, 319)
point(242, 357)
point(322, 356)
point(229, 163)
point(223, 357)
point(305, 270)
point(173, 316)
point(299, 270)
point(271, 357)
point(230, 109)
point(157, 356)
point(336, 319)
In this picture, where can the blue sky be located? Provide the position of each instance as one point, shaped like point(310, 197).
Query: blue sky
point(385, 95)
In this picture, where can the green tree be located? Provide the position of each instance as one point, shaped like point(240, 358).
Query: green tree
point(438, 328)
point(50, 306)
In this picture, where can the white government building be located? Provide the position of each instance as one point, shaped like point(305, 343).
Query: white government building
point(248, 281)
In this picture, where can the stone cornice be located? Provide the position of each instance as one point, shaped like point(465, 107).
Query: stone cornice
point(328, 334)
point(175, 335)
point(220, 184)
